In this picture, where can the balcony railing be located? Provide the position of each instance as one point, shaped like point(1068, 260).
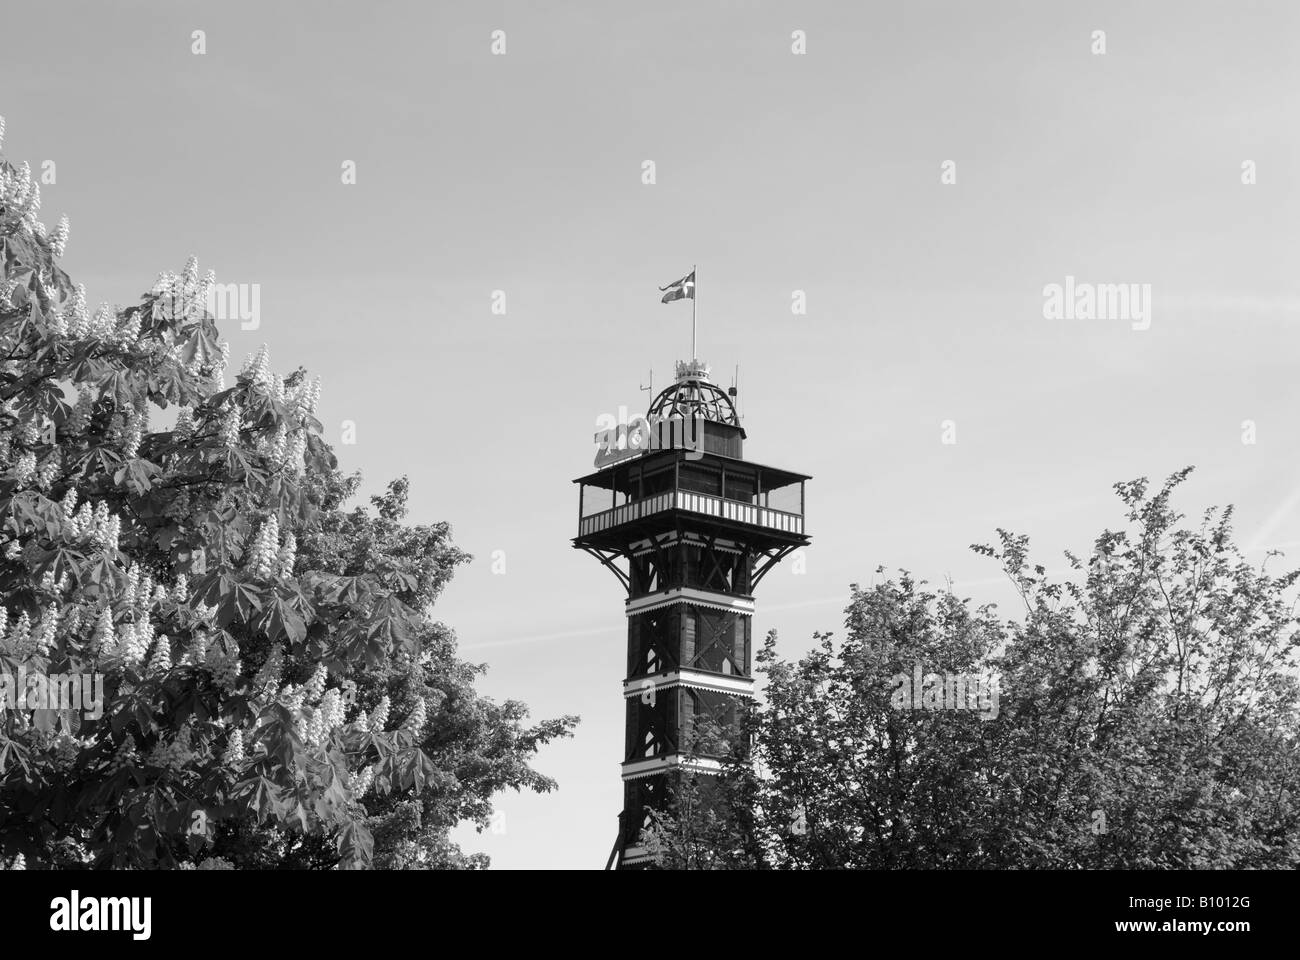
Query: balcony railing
point(696, 503)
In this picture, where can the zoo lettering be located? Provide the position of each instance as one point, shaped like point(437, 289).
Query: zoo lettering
point(640, 435)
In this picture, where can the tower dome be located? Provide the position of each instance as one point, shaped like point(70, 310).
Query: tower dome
point(693, 394)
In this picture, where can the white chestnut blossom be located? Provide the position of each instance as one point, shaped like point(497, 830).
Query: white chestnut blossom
point(417, 718)
point(269, 675)
point(103, 632)
point(259, 371)
point(230, 427)
point(104, 322)
point(135, 640)
point(184, 428)
point(47, 472)
point(20, 632)
point(266, 545)
point(315, 686)
point(43, 636)
point(59, 238)
point(134, 433)
point(132, 586)
point(275, 449)
point(287, 556)
point(128, 331)
point(25, 470)
point(379, 718)
point(204, 293)
point(79, 322)
point(297, 450)
point(161, 661)
point(361, 781)
point(96, 525)
point(112, 532)
point(234, 747)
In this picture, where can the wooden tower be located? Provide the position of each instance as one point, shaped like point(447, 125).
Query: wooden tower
point(689, 527)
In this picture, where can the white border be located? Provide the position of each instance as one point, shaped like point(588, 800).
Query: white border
point(701, 598)
point(696, 679)
point(653, 765)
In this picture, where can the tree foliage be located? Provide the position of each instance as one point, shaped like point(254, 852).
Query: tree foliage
point(1147, 718)
point(276, 691)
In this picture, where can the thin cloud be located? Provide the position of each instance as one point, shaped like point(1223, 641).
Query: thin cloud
point(838, 599)
point(1271, 523)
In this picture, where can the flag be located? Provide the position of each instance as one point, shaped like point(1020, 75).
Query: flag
point(682, 289)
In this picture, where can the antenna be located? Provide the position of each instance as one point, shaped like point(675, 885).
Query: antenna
point(649, 387)
point(735, 391)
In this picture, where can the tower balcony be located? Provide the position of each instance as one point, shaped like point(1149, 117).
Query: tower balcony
point(651, 492)
point(703, 503)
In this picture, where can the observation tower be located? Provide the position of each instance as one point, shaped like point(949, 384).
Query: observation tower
point(689, 527)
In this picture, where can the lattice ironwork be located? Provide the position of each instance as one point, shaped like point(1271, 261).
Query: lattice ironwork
point(715, 641)
point(654, 641)
point(704, 715)
point(652, 725)
point(695, 397)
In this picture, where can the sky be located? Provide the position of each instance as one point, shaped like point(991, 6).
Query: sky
point(774, 172)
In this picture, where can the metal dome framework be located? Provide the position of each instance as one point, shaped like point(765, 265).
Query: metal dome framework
point(694, 395)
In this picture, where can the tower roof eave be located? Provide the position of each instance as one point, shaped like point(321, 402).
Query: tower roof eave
point(783, 476)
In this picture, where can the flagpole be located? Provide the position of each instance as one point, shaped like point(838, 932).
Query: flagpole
point(695, 299)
